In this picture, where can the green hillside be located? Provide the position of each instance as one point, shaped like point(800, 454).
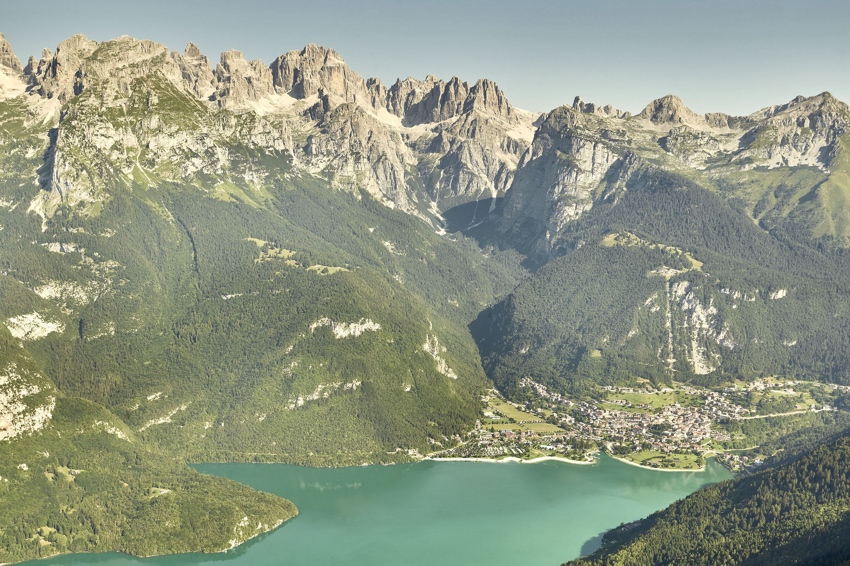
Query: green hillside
point(671, 282)
point(251, 313)
point(793, 514)
point(85, 481)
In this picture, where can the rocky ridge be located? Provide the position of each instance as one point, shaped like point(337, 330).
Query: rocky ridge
point(584, 155)
point(421, 146)
point(8, 59)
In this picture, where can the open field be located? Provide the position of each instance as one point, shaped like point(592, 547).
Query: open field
point(522, 420)
point(656, 400)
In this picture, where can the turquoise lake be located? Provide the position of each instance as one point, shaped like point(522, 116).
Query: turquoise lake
point(463, 513)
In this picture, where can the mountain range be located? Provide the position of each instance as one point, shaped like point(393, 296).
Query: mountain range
point(293, 263)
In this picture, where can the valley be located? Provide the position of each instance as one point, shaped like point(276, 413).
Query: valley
point(290, 263)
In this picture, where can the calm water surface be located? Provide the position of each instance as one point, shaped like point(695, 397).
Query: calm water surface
point(463, 513)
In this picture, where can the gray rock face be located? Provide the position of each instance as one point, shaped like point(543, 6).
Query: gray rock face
point(565, 172)
point(117, 64)
point(31, 66)
point(301, 74)
point(424, 146)
point(580, 105)
point(670, 110)
point(417, 144)
point(805, 131)
point(466, 150)
point(582, 157)
point(239, 81)
point(361, 154)
point(196, 71)
point(475, 159)
point(59, 76)
point(486, 97)
point(422, 102)
point(8, 59)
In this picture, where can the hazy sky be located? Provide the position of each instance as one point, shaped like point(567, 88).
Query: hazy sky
point(734, 56)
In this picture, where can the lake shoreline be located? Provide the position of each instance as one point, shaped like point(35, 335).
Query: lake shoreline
point(629, 462)
point(514, 460)
point(546, 503)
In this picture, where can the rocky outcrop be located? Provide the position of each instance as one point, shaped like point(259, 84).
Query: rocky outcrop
point(580, 105)
point(196, 71)
point(582, 154)
point(357, 152)
point(468, 149)
point(693, 147)
point(143, 120)
point(239, 81)
point(806, 131)
point(475, 158)
point(432, 100)
point(671, 110)
point(567, 169)
point(487, 98)
point(301, 74)
point(8, 59)
point(27, 401)
point(60, 76)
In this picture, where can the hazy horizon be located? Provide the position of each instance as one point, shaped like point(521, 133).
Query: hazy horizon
point(721, 56)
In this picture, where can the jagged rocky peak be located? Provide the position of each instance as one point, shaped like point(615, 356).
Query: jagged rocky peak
point(240, 81)
point(431, 100)
point(80, 62)
point(8, 59)
point(118, 62)
point(301, 74)
point(406, 93)
point(56, 76)
point(377, 92)
point(670, 110)
point(31, 66)
point(795, 102)
point(805, 131)
point(363, 155)
point(196, 71)
point(823, 105)
point(822, 114)
point(569, 168)
point(580, 105)
point(486, 96)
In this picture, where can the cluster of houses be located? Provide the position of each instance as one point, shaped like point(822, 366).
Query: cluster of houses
point(617, 424)
point(666, 429)
point(674, 428)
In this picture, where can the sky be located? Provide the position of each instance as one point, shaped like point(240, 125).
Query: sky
point(733, 56)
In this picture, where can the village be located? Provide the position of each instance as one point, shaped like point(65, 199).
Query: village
point(672, 427)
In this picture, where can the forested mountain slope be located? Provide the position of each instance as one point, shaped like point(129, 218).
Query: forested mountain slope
point(672, 282)
point(74, 477)
point(793, 514)
point(174, 268)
